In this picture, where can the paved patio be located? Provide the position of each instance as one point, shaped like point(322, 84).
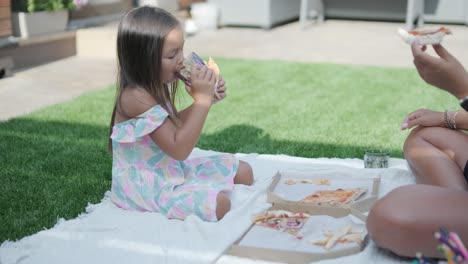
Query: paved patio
point(334, 41)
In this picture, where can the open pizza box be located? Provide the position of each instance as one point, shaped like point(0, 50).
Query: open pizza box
point(292, 187)
point(323, 223)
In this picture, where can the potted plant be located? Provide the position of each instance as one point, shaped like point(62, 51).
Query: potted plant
point(39, 17)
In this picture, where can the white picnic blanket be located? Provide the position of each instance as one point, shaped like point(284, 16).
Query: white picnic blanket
point(108, 234)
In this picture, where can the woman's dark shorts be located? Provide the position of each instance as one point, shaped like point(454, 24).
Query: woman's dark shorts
point(465, 172)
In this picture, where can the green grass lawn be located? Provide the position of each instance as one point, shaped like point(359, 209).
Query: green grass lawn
point(54, 162)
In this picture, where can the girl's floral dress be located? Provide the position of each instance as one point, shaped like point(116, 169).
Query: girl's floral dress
point(145, 178)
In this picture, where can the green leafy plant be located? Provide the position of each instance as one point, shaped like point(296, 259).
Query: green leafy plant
point(42, 5)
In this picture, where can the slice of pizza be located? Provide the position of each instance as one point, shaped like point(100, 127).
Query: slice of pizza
point(281, 220)
point(215, 68)
point(424, 36)
point(310, 181)
point(334, 197)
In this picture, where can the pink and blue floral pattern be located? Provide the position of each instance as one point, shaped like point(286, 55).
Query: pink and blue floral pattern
point(145, 178)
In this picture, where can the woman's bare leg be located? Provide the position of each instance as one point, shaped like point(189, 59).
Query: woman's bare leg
point(437, 156)
point(244, 174)
point(405, 220)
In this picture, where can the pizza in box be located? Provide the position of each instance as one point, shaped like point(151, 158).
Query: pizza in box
point(334, 197)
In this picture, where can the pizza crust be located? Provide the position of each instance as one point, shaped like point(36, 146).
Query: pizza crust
point(310, 181)
point(424, 36)
point(215, 68)
point(345, 234)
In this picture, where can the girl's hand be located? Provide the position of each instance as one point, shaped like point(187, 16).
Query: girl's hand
point(423, 117)
point(202, 83)
point(220, 90)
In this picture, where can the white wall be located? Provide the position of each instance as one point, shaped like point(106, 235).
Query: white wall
point(449, 11)
point(441, 11)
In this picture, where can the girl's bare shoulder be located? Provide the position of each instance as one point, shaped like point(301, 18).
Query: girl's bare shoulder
point(133, 102)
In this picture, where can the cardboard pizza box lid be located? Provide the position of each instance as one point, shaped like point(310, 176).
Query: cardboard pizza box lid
point(361, 178)
point(276, 255)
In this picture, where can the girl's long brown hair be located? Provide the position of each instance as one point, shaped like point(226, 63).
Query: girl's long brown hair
point(140, 42)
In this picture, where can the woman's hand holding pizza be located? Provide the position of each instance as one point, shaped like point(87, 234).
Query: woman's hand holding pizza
point(444, 72)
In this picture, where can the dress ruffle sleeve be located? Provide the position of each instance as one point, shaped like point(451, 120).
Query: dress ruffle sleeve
point(132, 129)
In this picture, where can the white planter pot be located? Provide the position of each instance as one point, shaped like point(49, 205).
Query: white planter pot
point(27, 25)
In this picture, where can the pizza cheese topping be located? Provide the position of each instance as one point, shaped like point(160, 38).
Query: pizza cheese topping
point(424, 36)
point(422, 32)
point(282, 220)
point(334, 197)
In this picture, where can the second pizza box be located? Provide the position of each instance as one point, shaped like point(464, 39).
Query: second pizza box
point(316, 188)
point(328, 232)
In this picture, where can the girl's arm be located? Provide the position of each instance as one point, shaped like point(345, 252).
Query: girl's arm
point(184, 114)
point(178, 142)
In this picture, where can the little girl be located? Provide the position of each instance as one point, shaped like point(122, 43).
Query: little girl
point(151, 141)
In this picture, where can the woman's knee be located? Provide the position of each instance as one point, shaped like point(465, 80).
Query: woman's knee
point(244, 174)
point(223, 205)
point(389, 218)
point(401, 221)
point(415, 140)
